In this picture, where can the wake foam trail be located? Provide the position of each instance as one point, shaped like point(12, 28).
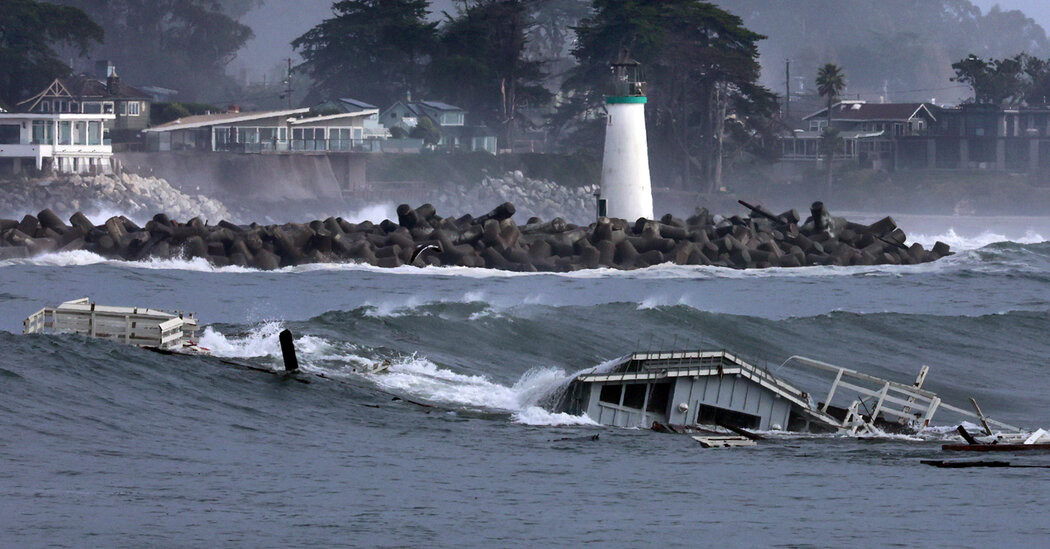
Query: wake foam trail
point(413, 376)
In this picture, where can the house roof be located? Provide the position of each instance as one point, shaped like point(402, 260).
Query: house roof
point(809, 134)
point(325, 118)
point(204, 120)
point(86, 86)
point(83, 87)
point(54, 116)
point(438, 105)
point(411, 107)
point(859, 110)
point(360, 105)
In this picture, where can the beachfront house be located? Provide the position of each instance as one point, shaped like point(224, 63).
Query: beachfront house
point(87, 94)
point(868, 131)
point(231, 131)
point(55, 142)
point(290, 130)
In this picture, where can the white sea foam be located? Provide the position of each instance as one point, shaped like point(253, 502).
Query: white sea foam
point(375, 213)
point(413, 376)
point(100, 213)
point(964, 243)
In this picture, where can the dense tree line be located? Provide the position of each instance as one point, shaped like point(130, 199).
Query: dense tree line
point(904, 47)
point(184, 45)
point(30, 32)
point(1009, 82)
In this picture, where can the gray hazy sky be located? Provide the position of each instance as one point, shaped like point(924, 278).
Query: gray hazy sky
point(1036, 9)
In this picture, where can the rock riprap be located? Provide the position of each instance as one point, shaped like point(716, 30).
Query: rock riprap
point(421, 237)
point(134, 195)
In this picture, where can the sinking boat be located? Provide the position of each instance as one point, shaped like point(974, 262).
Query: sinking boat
point(717, 394)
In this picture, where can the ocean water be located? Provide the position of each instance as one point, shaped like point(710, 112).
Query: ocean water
point(105, 445)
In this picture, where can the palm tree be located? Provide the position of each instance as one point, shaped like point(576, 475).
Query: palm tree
point(830, 83)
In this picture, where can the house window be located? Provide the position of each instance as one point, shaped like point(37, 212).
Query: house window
point(65, 133)
point(42, 132)
point(10, 134)
point(45, 106)
point(94, 133)
point(339, 139)
point(247, 135)
point(282, 135)
point(80, 135)
point(73, 107)
point(133, 108)
point(611, 394)
point(222, 139)
point(107, 107)
point(634, 395)
point(92, 107)
point(308, 139)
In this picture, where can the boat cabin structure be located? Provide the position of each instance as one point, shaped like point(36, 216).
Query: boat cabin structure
point(717, 389)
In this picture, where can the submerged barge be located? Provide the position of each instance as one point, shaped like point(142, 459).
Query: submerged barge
point(702, 390)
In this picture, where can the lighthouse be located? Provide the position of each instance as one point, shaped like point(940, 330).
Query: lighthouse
point(626, 191)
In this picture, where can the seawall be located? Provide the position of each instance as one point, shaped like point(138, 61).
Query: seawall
point(281, 186)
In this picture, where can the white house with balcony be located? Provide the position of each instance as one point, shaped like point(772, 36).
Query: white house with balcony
point(58, 142)
point(292, 130)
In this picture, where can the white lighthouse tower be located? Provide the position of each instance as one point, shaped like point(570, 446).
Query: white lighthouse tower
point(626, 191)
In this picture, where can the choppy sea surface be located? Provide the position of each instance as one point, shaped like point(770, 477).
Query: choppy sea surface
point(105, 445)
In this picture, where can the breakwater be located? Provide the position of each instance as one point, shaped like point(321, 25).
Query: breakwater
point(421, 237)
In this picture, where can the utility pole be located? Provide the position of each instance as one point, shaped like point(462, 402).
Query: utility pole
point(787, 89)
point(288, 85)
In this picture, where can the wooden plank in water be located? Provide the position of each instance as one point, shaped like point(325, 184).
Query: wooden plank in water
point(726, 441)
point(964, 464)
point(1044, 447)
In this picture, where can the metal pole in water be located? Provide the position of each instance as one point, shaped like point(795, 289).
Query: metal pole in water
point(291, 363)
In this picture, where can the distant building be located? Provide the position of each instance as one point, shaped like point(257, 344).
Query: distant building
point(334, 132)
point(55, 142)
point(923, 136)
point(868, 131)
point(372, 128)
point(292, 130)
point(450, 120)
point(85, 94)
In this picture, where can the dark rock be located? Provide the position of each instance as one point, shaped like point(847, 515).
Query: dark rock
point(49, 220)
point(29, 225)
